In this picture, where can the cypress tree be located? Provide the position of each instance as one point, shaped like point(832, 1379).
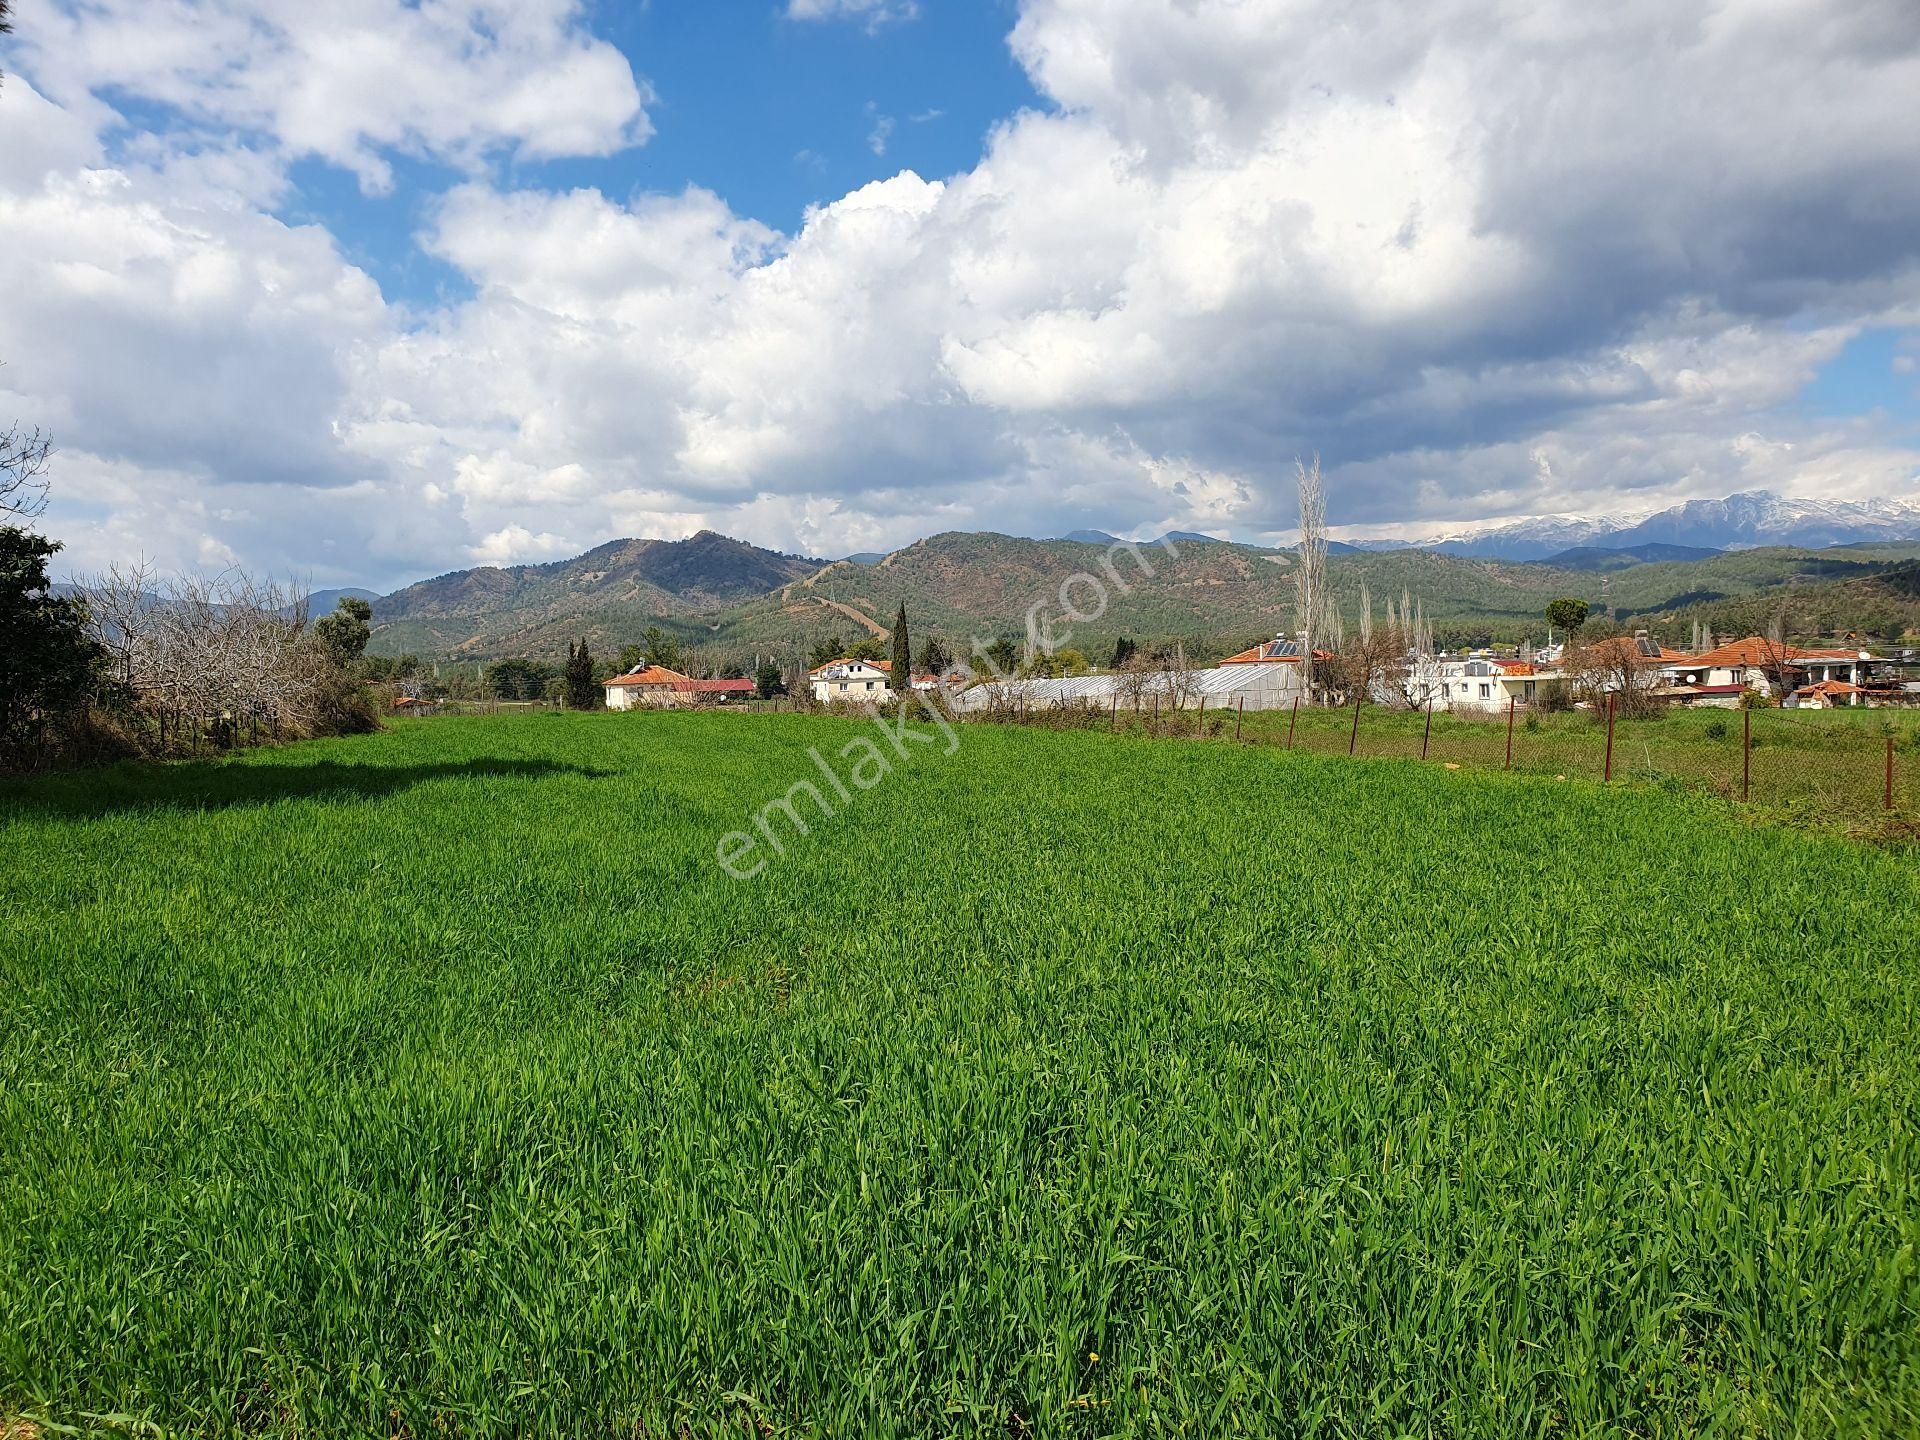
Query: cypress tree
point(902, 658)
point(579, 678)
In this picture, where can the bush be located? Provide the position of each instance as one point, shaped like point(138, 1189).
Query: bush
point(1553, 697)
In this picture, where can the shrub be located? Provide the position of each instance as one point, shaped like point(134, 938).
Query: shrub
point(1553, 697)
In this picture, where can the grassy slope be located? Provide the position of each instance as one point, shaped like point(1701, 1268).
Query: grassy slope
point(439, 1080)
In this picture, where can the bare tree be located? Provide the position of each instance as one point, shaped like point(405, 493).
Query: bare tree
point(120, 601)
point(23, 471)
point(1382, 660)
point(1614, 666)
point(1310, 579)
point(1776, 661)
point(1181, 682)
point(213, 656)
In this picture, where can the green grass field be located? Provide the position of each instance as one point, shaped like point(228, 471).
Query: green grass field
point(440, 1083)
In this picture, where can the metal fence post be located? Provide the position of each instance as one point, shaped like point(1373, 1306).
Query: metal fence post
point(1746, 755)
point(1239, 709)
point(1354, 739)
point(1293, 722)
point(1427, 734)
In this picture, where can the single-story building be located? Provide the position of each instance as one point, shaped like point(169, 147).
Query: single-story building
point(656, 687)
point(1247, 685)
point(1826, 695)
point(1758, 664)
point(650, 685)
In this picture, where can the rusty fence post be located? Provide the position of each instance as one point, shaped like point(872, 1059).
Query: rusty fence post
point(1239, 709)
point(1426, 735)
point(1609, 770)
point(1293, 722)
point(1512, 701)
point(1353, 740)
point(1746, 755)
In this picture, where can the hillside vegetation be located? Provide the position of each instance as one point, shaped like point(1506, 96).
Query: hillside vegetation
point(736, 599)
point(440, 1083)
point(607, 595)
point(968, 585)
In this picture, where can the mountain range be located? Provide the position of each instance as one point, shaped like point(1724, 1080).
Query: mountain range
point(737, 598)
point(731, 601)
point(608, 594)
point(1754, 518)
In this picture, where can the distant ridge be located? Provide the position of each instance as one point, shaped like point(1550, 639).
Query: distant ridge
point(1177, 537)
point(1603, 557)
point(1737, 522)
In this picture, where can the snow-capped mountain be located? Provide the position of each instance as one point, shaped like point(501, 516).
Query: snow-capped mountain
point(1738, 522)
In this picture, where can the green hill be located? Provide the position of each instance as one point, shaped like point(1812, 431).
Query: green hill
point(608, 595)
point(734, 600)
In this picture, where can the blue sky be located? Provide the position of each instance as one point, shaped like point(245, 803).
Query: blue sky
point(375, 290)
point(1877, 375)
point(772, 114)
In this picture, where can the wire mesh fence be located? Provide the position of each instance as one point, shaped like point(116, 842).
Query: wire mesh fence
point(1834, 763)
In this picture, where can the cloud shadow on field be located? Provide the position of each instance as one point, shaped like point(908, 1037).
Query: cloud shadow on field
point(224, 784)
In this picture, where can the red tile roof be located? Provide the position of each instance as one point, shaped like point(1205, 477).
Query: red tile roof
point(1638, 647)
point(1270, 652)
point(1753, 651)
point(1829, 687)
point(649, 675)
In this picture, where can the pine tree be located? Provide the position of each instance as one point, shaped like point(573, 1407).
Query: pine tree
point(902, 655)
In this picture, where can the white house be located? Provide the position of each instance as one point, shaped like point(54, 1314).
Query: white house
point(1759, 665)
point(1475, 682)
point(650, 686)
point(856, 682)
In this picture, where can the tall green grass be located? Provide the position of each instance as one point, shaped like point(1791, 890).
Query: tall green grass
point(439, 1083)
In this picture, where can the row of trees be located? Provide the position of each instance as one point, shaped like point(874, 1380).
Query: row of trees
point(134, 662)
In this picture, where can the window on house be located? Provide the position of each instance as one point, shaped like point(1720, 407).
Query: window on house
point(1486, 692)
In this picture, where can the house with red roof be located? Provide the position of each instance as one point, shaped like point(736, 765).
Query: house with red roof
point(656, 687)
point(1767, 667)
point(1827, 695)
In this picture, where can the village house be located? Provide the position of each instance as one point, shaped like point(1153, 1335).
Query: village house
point(1768, 669)
point(1474, 682)
point(856, 682)
point(656, 687)
point(650, 685)
point(1827, 695)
